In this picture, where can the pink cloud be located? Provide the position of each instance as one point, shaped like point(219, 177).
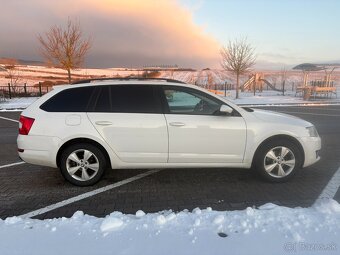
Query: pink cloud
point(130, 32)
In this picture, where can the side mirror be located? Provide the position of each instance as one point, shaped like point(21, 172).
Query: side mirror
point(226, 109)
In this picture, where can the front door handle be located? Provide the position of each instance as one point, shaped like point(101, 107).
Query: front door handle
point(177, 124)
point(103, 123)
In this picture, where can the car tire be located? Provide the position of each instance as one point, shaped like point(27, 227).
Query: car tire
point(278, 160)
point(82, 164)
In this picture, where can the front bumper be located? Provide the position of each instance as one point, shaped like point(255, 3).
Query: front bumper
point(38, 150)
point(311, 147)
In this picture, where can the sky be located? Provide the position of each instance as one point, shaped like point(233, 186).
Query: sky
point(189, 33)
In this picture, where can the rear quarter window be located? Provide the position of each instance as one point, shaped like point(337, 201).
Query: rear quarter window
point(69, 100)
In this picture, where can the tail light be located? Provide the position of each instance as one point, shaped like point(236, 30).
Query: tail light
point(25, 125)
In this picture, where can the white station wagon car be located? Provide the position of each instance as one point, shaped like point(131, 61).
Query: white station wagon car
point(86, 128)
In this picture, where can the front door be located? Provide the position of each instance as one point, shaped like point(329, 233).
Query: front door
point(198, 133)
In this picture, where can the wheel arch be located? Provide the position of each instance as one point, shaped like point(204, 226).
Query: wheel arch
point(281, 137)
point(83, 140)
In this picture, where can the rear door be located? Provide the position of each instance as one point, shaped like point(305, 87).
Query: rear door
point(130, 120)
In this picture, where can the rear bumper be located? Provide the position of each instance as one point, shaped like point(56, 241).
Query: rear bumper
point(311, 147)
point(39, 150)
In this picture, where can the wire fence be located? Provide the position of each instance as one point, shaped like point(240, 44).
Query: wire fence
point(11, 91)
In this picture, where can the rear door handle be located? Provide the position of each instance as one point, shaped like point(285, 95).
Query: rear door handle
point(103, 123)
point(177, 124)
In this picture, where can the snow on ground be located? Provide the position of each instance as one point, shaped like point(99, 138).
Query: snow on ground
point(269, 229)
point(16, 103)
point(270, 97)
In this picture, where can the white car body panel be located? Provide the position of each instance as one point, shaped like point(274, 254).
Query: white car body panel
point(206, 139)
point(136, 138)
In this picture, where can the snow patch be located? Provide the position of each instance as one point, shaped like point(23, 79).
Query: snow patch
point(327, 206)
point(111, 224)
point(160, 220)
point(218, 219)
point(140, 214)
point(245, 232)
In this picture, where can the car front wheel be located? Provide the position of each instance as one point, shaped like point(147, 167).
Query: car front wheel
point(278, 161)
point(82, 164)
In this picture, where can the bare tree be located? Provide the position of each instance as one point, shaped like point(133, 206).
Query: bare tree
point(238, 56)
point(14, 76)
point(65, 47)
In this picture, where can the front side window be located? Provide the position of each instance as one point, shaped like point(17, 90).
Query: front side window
point(189, 101)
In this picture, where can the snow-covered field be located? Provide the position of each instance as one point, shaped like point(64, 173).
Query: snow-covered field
point(33, 74)
point(269, 229)
point(206, 78)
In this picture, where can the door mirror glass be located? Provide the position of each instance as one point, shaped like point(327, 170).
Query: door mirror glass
point(226, 109)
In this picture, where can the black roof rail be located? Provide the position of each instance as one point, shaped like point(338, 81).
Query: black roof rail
point(127, 79)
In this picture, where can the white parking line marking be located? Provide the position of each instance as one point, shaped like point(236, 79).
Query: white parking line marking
point(319, 108)
point(331, 188)
point(9, 119)
point(309, 113)
point(13, 164)
point(87, 194)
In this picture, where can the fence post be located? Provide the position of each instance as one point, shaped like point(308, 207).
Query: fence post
point(9, 91)
point(25, 89)
point(40, 88)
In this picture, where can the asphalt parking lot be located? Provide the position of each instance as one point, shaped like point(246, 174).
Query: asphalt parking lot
point(27, 188)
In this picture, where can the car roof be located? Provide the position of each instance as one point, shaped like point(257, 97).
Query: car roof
point(124, 82)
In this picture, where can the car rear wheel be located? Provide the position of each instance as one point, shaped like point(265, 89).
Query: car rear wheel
point(82, 164)
point(278, 161)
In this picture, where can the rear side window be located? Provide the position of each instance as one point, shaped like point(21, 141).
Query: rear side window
point(128, 99)
point(69, 100)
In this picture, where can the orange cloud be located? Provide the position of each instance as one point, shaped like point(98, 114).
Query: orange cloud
point(137, 32)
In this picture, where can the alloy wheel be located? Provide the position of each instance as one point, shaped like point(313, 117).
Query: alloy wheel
point(82, 165)
point(279, 162)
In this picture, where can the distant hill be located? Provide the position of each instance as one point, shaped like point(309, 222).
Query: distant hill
point(21, 61)
point(315, 67)
point(308, 67)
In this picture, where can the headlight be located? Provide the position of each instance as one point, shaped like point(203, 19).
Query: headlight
point(312, 131)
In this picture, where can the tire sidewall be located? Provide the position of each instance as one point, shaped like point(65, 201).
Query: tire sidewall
point(97, 152)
